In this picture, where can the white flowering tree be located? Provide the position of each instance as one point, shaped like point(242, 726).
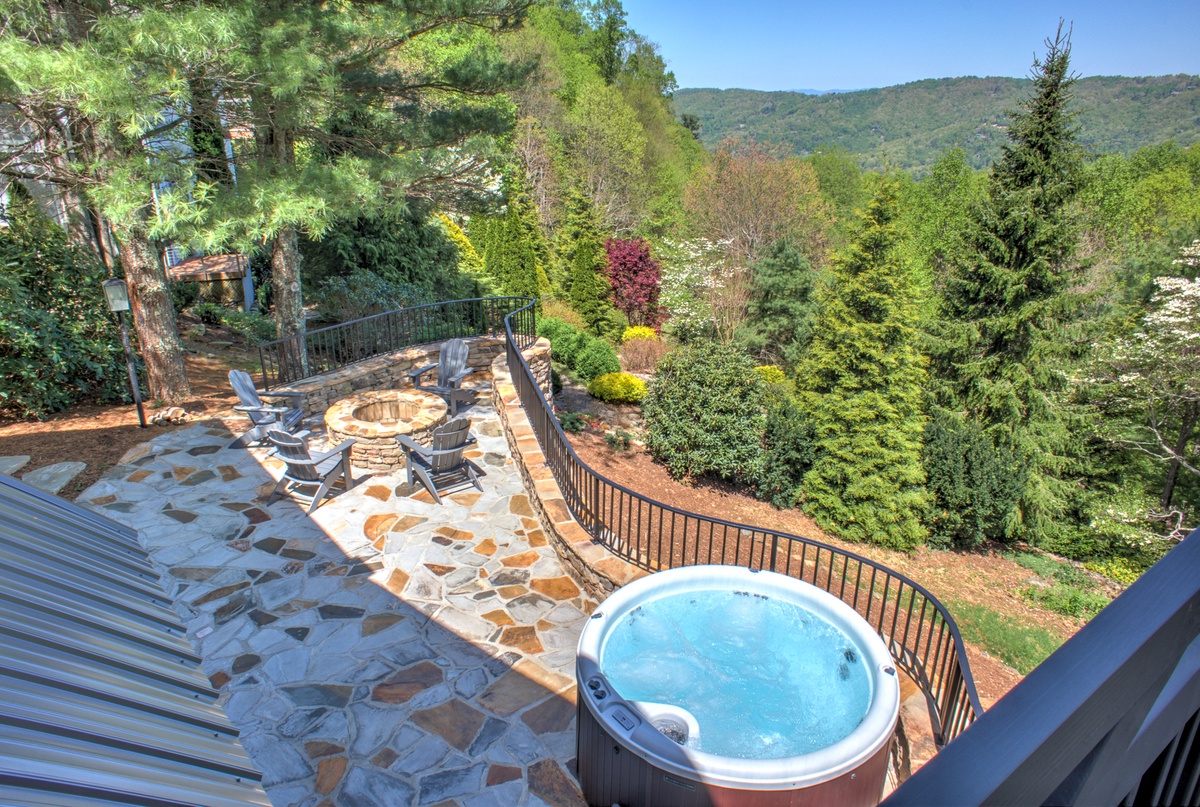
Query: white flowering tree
point(703, 291)
point(1153, 377)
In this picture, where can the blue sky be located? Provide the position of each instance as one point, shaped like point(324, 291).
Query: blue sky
point(780, 45)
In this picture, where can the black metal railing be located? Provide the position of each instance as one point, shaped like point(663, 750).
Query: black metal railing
point(1111, 717)
point(917, 628)
point(304, 355)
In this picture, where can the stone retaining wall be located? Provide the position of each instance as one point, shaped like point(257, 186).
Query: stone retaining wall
point(597, 570)
point(390, 371)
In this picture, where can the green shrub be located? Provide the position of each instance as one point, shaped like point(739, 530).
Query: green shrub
point(771, 374)
point(585, 355)
point(555, 329)
point(572, 422)
point(618, 388)
point(59, 345)
point(974, 483)
point(639, 332)
point(618, 440)
point(555, 382)
point(255, 327)
point(704, 412)
point(364, 293)
point(787, 453)
point(566, 348)
point(209, 313)
point(595, 357)
point(183, 294)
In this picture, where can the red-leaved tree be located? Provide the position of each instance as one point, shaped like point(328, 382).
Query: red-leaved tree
point(634, 277)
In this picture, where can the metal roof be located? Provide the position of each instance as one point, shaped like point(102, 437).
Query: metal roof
point(102, 700)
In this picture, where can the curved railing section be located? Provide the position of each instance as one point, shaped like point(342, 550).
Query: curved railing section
point(917, 628)
point(311, 353)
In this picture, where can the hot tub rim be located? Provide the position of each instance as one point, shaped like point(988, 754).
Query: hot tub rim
point(805, 770)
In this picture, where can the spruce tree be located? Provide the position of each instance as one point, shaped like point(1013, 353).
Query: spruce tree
point(1002, 345)
point(782, 310)
point(860, 386)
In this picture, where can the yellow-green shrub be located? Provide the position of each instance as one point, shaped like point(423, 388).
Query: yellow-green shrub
point(618, 388)
point(771, 374)
point(639, 332)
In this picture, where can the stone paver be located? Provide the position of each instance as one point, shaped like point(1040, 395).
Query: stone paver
point(11, 464)
point(384, 650)
point(53, 478)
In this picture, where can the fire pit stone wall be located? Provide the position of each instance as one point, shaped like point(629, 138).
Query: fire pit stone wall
point(376, 418)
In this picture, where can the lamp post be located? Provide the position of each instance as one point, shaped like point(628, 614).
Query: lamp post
point(117, 296)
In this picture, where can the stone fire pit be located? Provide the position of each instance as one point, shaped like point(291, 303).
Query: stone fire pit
point(376, 419)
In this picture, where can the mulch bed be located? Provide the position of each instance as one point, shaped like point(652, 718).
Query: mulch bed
point(983, 577)
point(100, 435)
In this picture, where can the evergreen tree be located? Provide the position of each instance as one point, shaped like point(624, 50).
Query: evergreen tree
point(781, 311)
point(1003, 347)
point(515, 252)
point(470, 264)
point(581, 250)
point(860, 386)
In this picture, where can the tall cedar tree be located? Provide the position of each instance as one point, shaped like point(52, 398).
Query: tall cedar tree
point(1007, 304)
point(515, 252)
point(581, 249)
point(860, 386)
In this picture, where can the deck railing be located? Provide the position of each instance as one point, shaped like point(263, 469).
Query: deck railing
point(1112, 717)
point(311, 353)
point(917, 628)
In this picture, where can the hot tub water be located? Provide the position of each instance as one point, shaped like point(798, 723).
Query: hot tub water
point(764, 677)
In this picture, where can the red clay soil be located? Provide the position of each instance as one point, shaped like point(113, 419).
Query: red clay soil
point(100, 435)
point(983, 578)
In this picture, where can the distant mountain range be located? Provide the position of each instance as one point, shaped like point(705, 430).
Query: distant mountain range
point(820, 92)
point(910, 125)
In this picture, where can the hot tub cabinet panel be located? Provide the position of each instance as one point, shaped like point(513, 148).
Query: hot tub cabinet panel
point(612, 774)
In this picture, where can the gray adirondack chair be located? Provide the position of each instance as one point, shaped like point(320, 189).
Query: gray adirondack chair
point(263, 418)
point(305, 470)
point(452, 369)
point(442, 464)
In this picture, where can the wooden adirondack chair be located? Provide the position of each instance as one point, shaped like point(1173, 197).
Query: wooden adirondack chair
point(452, 369)
point(443, 463)
point(262, 417)
point(305, 470)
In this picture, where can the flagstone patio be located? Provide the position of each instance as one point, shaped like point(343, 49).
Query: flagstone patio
point(385, 650)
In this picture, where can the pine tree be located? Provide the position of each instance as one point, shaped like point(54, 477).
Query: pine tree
point(860, 386)
point(1002, 346)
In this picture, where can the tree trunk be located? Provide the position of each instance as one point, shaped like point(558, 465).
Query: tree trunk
point(1191, 414)
point(153, 318)
point(285, 278)
point(285, 251)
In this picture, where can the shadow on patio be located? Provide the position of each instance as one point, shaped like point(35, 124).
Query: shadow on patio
point(385, 650)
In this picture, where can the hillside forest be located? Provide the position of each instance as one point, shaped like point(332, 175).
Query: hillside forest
point(961, 356)
point(909, 126)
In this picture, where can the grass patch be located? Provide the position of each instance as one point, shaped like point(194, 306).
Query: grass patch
point(1020, 647)
point(1070, 591)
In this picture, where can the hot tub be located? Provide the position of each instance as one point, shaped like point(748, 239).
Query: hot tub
point(717, 685)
